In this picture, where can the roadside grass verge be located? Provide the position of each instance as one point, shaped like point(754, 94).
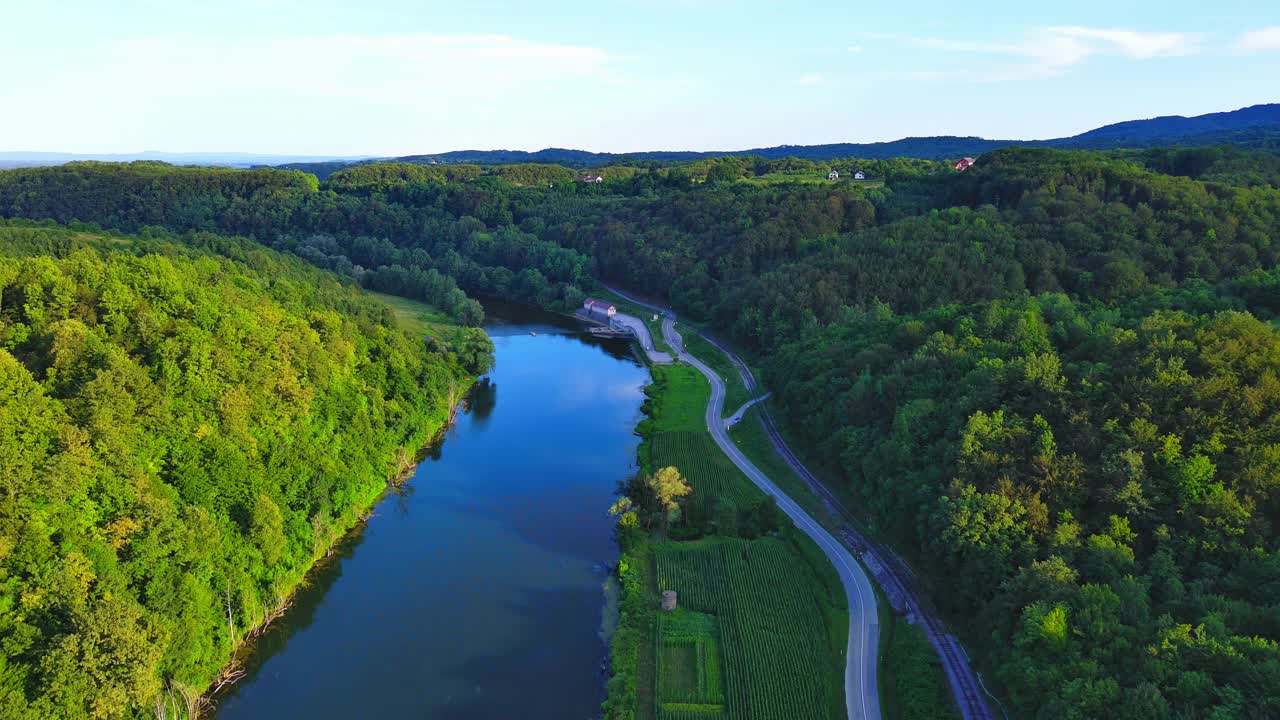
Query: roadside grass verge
point(750, 437)
point(913, 685)
point(735, 393)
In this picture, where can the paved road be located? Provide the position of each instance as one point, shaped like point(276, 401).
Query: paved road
point(861, 693)
point(642, 334)
point(891, 573)
point(733, 419)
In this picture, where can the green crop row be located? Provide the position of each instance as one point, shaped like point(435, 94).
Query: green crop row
point(769, 620)
point(711, 474)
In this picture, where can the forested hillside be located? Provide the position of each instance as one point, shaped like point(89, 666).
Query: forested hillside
point(1098, 486)
point(185, 428)
point(1050, 379)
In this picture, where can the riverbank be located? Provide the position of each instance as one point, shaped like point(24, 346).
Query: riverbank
point(414, 317)
point(476, 590)
point(761, 608)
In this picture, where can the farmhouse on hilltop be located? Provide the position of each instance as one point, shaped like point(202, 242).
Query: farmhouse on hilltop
point(859, 175)
point(833, 175)
point(591, 179)
point(964, 164)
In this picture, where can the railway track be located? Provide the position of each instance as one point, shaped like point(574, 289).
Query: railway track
point(896, 580)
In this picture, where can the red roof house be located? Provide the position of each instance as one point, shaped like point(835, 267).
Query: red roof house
point(599, 307)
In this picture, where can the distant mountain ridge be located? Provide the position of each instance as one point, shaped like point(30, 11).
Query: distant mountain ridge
point(1256, 126)
point(228, 159)
point(1177, 126)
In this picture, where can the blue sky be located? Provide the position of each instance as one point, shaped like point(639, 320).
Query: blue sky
point(389, 77)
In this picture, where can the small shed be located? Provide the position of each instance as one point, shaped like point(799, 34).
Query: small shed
point(669, 600)
point(833, 175)
point(599, 308)
point(859, 175)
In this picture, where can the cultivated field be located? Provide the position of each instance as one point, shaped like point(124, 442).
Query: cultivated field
point(761, 619)
point(710, 473)
point(761, 628)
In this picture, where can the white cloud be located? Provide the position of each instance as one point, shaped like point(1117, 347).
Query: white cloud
point(1049, 52)
point(349, 66)
point(855, 48)
point(1261, 40)
point(1131, 43)
point(347, 93)
point(811, 79)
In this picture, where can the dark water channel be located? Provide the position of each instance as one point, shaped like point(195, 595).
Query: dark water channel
point(477, 591)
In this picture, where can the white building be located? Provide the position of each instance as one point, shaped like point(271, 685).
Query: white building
point(599, 308)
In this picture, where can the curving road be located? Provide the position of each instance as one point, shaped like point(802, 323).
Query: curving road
point(641, 331)
point(862, 698)
point(892, 574)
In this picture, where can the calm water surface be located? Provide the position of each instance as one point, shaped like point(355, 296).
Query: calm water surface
point(476, 591)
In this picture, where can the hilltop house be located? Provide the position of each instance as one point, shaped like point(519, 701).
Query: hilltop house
point(833, 175)
point(591, 179)
point(859, 175)
point(964, 164)
point(599, 309)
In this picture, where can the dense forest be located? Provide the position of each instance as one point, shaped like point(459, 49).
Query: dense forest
point(1051, 378)
point(1099, 486)
point(186, 426)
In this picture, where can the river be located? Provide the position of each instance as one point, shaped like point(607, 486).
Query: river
point(477, 590)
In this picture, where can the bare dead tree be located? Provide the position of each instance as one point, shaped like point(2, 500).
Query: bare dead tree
point(231, 625)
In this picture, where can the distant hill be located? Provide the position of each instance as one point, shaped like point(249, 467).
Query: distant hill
point(1160, 130)
point(1255, 127)
point(224, 159)
point(929, 148)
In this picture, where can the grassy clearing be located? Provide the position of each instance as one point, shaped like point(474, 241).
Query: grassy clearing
point(415, 316)
point(677, 401)
point(690, 660)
